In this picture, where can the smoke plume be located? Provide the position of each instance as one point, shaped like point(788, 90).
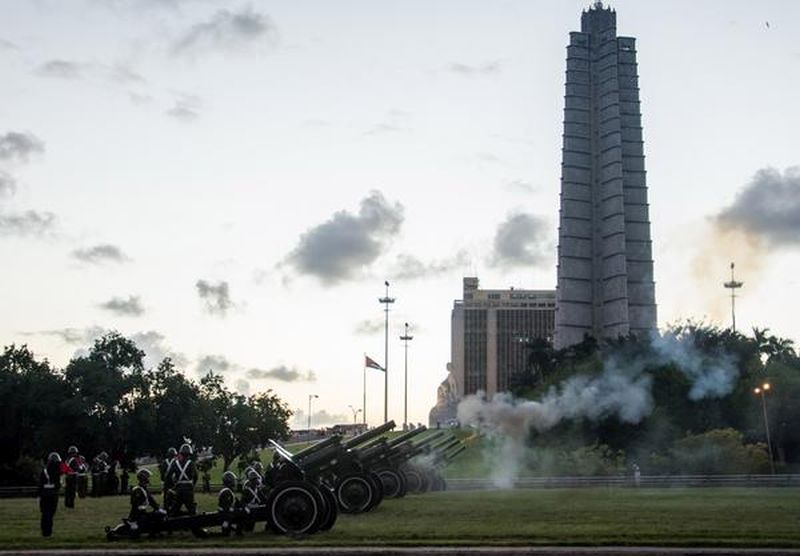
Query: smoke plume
point(623, 389)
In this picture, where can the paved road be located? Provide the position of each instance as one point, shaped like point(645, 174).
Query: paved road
point(411, 551)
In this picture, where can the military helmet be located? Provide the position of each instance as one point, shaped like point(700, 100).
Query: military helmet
point(72, 451)
point(253, 475)
point(143, 476)
point(103, 455)
point(172, 452)
point(186, 449)
point(53, 457)
point(229, 479)
point(258, 466)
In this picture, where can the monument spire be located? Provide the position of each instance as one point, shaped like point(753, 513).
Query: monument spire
point(605, 266)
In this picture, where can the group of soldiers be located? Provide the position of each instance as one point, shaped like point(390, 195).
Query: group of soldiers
point(179, 476)
point(76, 471)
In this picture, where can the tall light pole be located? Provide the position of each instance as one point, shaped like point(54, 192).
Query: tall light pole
point(310, 397)
point(405, 337)
point(733, 285)
point(355, 412)
point(386, 301)
point(762, 390)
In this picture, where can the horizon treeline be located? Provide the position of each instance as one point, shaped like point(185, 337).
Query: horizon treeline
point(108, 401)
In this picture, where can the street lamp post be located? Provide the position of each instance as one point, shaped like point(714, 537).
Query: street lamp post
point(310, 397)
point(405, 337)
point(762, 390)
point(355, 412)
point(733, 285)
point(386, 301)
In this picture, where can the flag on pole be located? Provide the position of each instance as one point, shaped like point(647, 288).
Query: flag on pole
point(368, 362)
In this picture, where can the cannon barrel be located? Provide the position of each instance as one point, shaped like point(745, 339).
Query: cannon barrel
point(317, 446)
point(369, 435)
point(406, 436)
point(443, 447)
point(443, 442)
point(449, 457)
point(430, 439)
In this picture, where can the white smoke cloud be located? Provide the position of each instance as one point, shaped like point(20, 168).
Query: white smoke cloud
point(623, 390)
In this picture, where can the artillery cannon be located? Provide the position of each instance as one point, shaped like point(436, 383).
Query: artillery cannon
point(336, 464)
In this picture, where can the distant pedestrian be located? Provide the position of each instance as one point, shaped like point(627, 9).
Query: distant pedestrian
point(49, 485)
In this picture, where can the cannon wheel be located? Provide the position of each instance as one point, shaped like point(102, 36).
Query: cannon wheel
point(294, 508)
point(413, 480)
point(355, 493)
point(328, 517)
point(437, 482)
point(394, 484)
point(378, 484)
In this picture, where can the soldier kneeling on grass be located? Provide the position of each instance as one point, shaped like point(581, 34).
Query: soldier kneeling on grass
point(229, 506)
point(141, 501)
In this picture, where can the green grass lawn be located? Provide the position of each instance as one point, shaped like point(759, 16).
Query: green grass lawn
point(677, 517)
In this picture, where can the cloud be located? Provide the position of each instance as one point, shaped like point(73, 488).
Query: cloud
point(19, 147)
point(151, 342)
point(121, 73)
point(60, 69)
point(282, 373)
point(26, 224)
point(369, 327)
point(216, 363)
point(217, 296)
point(242, 387)
point(521, 186)
point(409, 267)
point(318, 419)
point(340, 248)
point(131, 307)
point(767, 208)
point(487, 68)
point(8, 185)
point(227, 30)
point(520, 240)
point(99, 254)
point(185, 109)
point(74, 336)
point(7, 45)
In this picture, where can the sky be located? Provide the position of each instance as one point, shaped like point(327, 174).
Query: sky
point(230, 183)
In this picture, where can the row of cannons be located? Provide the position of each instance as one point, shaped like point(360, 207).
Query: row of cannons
point(304, 492)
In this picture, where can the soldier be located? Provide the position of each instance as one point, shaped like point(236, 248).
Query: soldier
point(182, 473)
point(99, 474)
point(83, 475)
point(71, 480)
point(169, 493)
point(141, 500)
point(251, 495)
point(49, 483)
point(229, 505)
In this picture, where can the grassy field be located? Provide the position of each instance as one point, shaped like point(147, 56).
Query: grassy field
point(669, 517)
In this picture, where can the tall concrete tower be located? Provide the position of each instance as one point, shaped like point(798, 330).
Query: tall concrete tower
point(605, 264)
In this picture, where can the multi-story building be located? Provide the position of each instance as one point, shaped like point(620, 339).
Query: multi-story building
point(490, 330)
point(605, 265)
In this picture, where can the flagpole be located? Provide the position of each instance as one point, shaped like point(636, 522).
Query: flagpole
point(386, 301)
point(364, 401)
